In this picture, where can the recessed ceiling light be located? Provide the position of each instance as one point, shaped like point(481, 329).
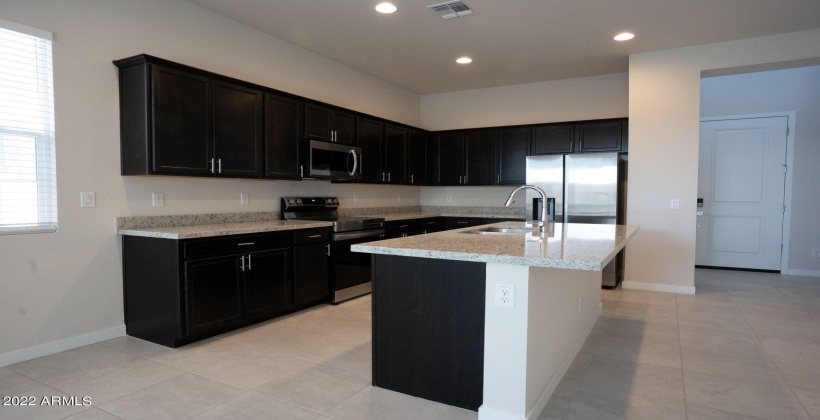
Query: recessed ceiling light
point(385, 7)
point(625, 36)
point(464, 60)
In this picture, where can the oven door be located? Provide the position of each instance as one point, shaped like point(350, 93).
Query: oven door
point(334, 161)
point(352, 268)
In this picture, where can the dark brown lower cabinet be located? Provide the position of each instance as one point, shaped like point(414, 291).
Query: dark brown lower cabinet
point(428, 328)
point(180, 291)
point(310, 265)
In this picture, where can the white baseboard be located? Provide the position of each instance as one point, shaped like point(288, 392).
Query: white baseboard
point(655, 287)
point(800, 272)
point(54, 347)
point(485, 413)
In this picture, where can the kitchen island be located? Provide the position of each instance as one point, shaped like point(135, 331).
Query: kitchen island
point(484, 320)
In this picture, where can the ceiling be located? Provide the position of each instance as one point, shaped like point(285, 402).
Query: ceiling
point(511, 41)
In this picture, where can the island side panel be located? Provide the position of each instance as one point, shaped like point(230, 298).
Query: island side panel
point(428, 328)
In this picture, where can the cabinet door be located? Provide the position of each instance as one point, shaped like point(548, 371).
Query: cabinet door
point(600, 136)
point(310, 273)
point(317, 123)
point(344, 125)
point(418, 170)
point(395, 144)
point(553, 138)
point(451, 158)
point(212, 294)
point(238, 131)
point(480, 157)
point(267, 282)
point(461, 222)
point(283, 132)
point(370, 135)
point(512, 156)
point(182, 138)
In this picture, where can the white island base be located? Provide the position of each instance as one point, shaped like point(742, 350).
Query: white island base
point(528, 348)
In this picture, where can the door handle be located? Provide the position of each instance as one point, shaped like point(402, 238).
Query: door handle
point(700, 213)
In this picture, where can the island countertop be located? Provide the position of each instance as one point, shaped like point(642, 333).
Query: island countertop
point(220, 229)
point(570, 245)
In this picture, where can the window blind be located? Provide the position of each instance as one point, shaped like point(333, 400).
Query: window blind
point(28, 190)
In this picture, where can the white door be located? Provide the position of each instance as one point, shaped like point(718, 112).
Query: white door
point(741, 179)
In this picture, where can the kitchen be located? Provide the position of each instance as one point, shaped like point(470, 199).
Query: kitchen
point(68, 285)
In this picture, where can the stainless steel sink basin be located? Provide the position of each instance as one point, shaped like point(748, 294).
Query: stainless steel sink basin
point(503, 230)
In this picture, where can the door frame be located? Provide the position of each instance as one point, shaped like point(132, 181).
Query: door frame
point(787, 197)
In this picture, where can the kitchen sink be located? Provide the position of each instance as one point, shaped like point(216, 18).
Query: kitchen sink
point(504, 230)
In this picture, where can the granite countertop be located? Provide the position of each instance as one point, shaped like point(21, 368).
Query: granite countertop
point(220, 229)
point(573, 246)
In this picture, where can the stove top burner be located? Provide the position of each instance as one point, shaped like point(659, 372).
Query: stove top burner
point(325, 209)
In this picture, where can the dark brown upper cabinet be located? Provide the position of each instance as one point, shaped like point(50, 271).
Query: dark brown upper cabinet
point(395, 154)
point(511, 156)
point(329, 124)
point(283, 133)
point(553, 138)
point(370, 138)
point(479, 157)
point(604, 136)
point(179, 122)
point(450, 154)
point(420, 158)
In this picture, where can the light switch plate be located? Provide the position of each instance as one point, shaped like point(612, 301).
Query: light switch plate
point(674, 204)
point(243, 198)
point(88, 199)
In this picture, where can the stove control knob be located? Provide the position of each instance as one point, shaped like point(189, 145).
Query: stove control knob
point(290, 201)
point(328, 200)
point(335, 201)
point(298, 201)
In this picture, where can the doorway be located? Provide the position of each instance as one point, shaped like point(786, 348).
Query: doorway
point(741, 192)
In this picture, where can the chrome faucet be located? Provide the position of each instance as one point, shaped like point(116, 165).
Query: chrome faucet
point(543, 222)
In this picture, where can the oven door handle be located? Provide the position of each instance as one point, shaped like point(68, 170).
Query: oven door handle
point(355, 162)
point(375, 233)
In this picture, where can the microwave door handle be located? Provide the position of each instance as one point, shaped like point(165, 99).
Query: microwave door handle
point(355, 162)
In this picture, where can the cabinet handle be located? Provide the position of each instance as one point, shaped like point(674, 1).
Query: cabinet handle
point(411, 179)
point(382, 176)
point(315, 236)
point(462, 223)
point(424, 232)
point(249, 261)
point(301, 171)
point(430, 223)
point(220, 165)
point(499, 179)
point(571, 145)
point(212, 165)
point(328, 249)
point(245, 243)
point(331, 136)
point(243, 263)
point(403, 226)
point(465, 179)
point(388, 177)
point(459, 179)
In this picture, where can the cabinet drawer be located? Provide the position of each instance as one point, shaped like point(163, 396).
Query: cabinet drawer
point(433, 224)
point(310, 236)
point(462, 222)
point(235, 244)
point(402, 226)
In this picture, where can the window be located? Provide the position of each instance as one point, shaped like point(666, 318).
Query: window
point(28, 187)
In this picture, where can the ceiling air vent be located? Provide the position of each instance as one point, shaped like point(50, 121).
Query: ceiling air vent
point(451, 9)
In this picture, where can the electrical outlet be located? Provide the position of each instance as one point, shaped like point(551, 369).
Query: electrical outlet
point(398, 197)
point(355, 198)
point(88, 199)
point(243, 199)
point(815, 253)
point(505, 295)
point(449, 197)
point(158, 199)
point(674, 204)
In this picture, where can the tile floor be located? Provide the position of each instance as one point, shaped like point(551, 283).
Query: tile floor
point(747, 346)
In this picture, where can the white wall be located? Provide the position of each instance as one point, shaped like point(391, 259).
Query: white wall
point(585, 98)
point(56, 286)
point(778, 91)
point(664, 113)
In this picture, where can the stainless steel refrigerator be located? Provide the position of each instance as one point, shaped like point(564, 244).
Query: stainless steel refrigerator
point(588, 188)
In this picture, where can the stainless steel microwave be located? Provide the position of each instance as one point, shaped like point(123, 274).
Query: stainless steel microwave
point(331, 160)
